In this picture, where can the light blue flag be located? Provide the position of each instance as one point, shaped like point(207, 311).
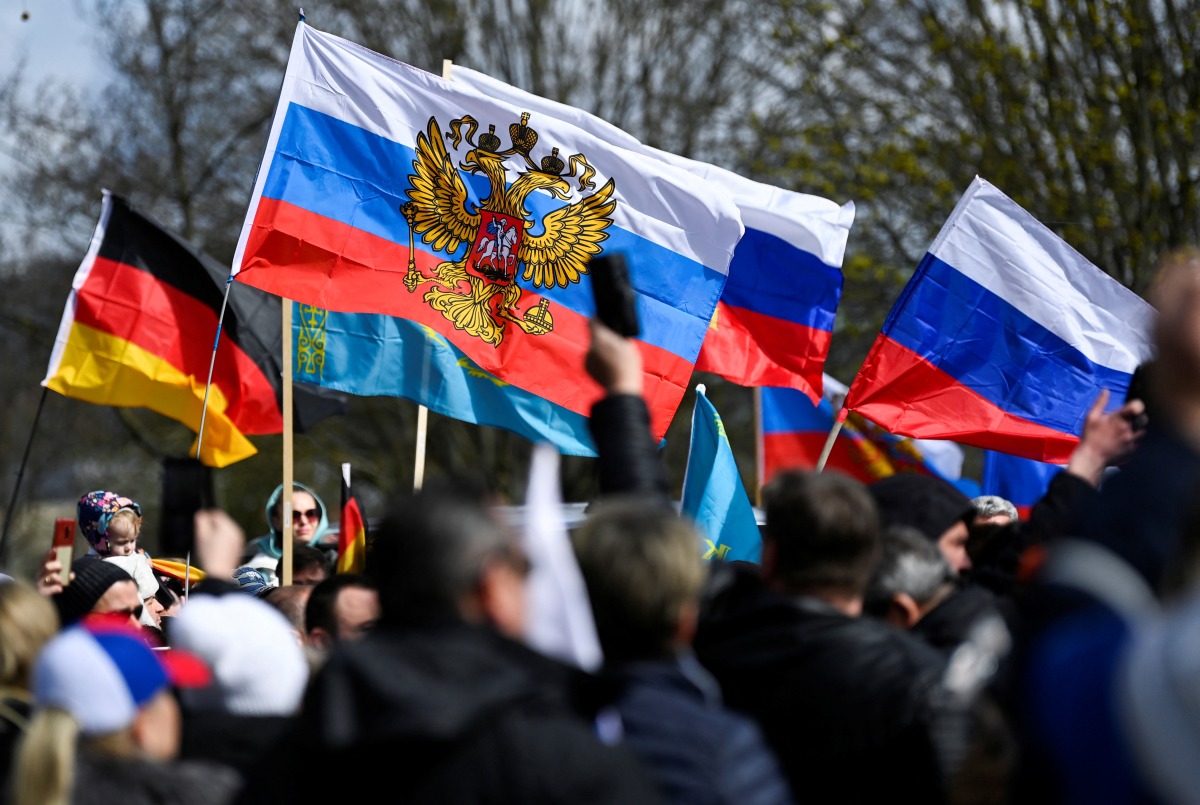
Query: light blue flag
point(374, 355)
point(713, 494)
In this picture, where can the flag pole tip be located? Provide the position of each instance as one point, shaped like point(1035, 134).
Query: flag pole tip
point(302, 14)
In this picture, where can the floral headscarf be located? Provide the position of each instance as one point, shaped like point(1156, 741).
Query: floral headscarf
point(95, 510)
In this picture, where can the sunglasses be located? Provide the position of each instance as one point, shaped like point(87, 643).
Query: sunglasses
point(311, 514)
point(133, 612)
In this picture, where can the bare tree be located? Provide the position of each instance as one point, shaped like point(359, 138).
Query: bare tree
point(180, 131)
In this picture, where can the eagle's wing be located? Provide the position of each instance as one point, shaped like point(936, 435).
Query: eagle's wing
point(440, 195)
point(571, 237)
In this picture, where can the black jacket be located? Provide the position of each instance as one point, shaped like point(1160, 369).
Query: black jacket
point(699, 752)
point(449, 714)
point(853, 707)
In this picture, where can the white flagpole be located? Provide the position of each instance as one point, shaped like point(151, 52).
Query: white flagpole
point(212, 362)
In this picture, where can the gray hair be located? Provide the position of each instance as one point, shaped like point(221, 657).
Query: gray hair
point(991, 505)
point(911, 564)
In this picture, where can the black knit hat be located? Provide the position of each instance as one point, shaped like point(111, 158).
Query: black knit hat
point(929, 504)
point(93, 577)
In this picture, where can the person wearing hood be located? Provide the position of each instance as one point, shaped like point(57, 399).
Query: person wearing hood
point(442, 701)
point(310, 526)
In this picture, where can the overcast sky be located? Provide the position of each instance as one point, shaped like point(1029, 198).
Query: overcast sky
point(55, 40)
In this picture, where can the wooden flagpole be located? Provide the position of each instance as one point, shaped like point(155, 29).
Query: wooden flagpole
point(838, 421)
point(285, 498)
point(759, 458)
point(422, 411)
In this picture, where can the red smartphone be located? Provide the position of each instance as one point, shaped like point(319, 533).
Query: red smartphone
point(64, 546)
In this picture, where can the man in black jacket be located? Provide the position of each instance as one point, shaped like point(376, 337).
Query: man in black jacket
point(855, 710)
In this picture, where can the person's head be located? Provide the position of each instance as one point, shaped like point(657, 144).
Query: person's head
point(258, 667)
point(114, 688)
point(343, 607)
point(822, 536)
point(933, 506)
point(250, 580)
point(95, 513)
point(291, 600)
point(169, 601)
point(98, 587)
point(441, 555)
point(124, 528)
point(27, 621)
point(309, 565)
point(641, 563)
point(993, 510)
point(309, 520)
point(911, 579)
point(1175, 295)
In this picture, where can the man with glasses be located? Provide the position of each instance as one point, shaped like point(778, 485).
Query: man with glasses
point(310, 526)
point(97, 587)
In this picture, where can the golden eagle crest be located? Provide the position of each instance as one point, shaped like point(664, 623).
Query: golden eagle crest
point(477, 291)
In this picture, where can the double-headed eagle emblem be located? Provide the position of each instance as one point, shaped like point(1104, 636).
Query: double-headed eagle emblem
point(477, 291)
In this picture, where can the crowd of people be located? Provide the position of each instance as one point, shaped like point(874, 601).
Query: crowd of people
point(897, 640)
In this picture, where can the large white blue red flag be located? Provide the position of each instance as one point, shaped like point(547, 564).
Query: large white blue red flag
point(385, 189)
point(775, 320)
point(1002, 338)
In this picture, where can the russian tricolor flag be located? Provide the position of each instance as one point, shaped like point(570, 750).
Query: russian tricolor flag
point(774, 322)
point(344, 166)
point(1002, 338)
point(793, 432)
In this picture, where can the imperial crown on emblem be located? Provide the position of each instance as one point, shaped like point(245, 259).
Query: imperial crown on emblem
point(490, 242)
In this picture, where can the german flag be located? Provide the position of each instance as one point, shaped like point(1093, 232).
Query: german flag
point(139, 328)
point(352, 531)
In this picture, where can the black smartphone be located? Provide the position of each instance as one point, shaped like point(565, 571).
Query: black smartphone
point(187, 488)
point(1139, 389)
point(616, 302)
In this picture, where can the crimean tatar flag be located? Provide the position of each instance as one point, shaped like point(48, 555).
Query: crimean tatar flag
point(713, 493)
point(1003, 337)
point(369, 354)
point(138, 331)
point(352, 531)
point(385, 189)
point(775, 319)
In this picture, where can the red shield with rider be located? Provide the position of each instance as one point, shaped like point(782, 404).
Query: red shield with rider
point(494, 252)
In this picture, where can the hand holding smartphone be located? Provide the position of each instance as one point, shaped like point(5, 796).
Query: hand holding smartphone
point(615, 299)
point(64, 546)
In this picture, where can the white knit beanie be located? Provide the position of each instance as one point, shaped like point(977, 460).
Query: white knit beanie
point(258, 666)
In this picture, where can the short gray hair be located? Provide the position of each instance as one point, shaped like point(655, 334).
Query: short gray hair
point(991, 505)
point(911, 564)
